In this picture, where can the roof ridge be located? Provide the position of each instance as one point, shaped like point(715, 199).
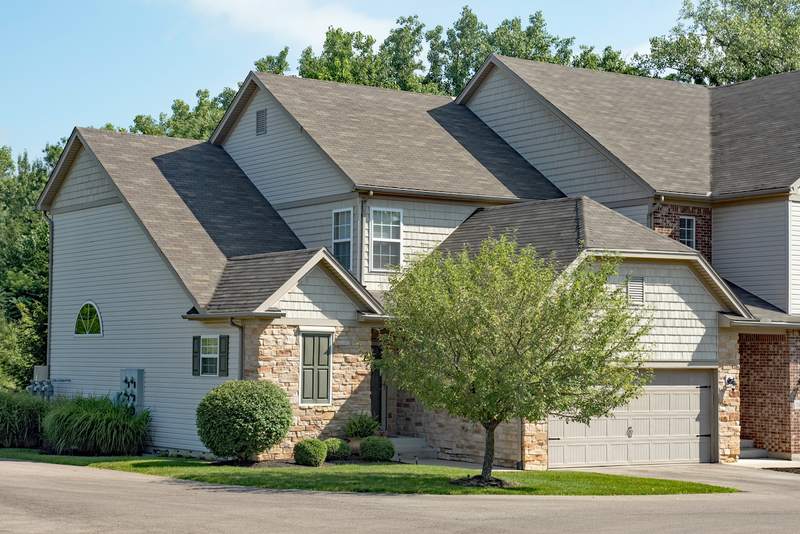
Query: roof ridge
point(260, 255)
point(759, 78)
point(605, 72)
point(268, 75)
point(136, 135)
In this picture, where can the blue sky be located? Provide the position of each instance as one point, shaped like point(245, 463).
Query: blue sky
point(90, 62)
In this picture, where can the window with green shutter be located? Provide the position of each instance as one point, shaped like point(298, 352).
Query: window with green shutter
point(315, 377)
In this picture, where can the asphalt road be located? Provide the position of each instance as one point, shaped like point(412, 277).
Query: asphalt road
point(54, 498)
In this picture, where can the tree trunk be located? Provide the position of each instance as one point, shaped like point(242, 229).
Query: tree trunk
point(488, 452)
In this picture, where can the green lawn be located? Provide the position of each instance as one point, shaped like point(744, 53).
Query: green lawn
point(377, 478)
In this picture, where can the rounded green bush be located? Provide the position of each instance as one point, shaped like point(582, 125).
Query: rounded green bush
point(21, 417)
point(361, 426)
point(95, 426)
point(377, 449)
point(310, 452)
point(242, 418)
point(338, 449)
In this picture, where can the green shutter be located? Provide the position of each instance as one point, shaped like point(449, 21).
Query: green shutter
point(316, 369)
point(196, 355)
point(224, 343)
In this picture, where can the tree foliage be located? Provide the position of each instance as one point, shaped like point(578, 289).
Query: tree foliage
point(196, 122)
point(24, 245)
point(277, 64)
point(503, 334)
point(723, 41)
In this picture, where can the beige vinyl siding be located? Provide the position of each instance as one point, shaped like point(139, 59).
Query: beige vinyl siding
point(318, 296)
point(639, 213)
point(103, 255)
point(567, 159)
point(86, 184)
point(794, 258)
point(684, 314)
point(425, 225)
point(313, 224)
point(284, 164)
point(750, 248)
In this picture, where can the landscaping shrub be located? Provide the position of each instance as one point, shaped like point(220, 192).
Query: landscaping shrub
point(377, 449)
point(95, 426)
point(242, 418)
point(338, 449)
point(361, 426)
point(21, 417)
point(310, 452)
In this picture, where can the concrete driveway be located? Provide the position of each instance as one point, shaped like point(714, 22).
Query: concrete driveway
point(55, 498)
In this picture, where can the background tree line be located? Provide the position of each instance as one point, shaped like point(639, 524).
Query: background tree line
point(714, 42)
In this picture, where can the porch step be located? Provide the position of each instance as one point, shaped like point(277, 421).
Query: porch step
point(750, 453)
point(746, 444)
point(409, 450)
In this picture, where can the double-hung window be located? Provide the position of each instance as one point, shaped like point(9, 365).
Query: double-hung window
point(210, 355)
point(315, 378)
point(386, 233)
point(687, 231)
point(343, 237)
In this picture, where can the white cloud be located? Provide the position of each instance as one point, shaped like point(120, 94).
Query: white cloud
point(297, 22)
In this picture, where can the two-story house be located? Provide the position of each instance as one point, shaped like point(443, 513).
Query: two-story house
point(264, 252)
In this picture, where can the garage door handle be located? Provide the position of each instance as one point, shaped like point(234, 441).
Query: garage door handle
point(703, 435)
point(553, 439)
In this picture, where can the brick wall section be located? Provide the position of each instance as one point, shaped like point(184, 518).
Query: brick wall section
point(794, 391)
point(769, 374)
point(729, 409)
point(272, 352)
point(457, 439)
point(666, 218)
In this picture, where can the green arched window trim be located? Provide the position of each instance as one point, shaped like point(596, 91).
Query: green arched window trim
point(88, 322)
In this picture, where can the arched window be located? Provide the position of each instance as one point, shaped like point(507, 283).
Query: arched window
point(88, 322)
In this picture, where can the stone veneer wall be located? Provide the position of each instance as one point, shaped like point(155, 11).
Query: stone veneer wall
point(666, 218)
point(769, 382)
point(272, 352)
point(455, 438)
point(729, 409)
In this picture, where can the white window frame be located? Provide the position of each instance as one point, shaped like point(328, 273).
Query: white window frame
point(202, 356)
point(694, 230)
point(318, 331)
point(372, 211)
point(333, 233)
point(99, 319)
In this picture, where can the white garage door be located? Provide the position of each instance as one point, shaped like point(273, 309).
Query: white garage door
point(671, 422)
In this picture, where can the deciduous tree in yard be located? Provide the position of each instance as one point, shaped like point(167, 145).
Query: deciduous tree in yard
point(501, 333)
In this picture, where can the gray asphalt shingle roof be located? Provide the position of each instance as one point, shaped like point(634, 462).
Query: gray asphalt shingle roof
point(387, 139)
point(247, 281)
point(198, 206)
point(560, 229)
point(679, 137)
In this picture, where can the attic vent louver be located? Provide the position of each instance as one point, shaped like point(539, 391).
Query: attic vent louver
point(636, 290)
point(261, 122)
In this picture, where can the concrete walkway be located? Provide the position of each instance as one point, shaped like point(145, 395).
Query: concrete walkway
point(55, 498)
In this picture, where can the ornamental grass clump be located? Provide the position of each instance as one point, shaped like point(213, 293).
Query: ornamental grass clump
point(242, 418)
point(95, 426)
point(21, 417)
point(361, 425)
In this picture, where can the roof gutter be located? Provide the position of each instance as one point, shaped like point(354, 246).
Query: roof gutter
point(372, 317)
point(269, 314)
point(727, 321)
point(419, 193)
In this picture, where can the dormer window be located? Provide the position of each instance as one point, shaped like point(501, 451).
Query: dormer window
point(261, 122)
point(686, 231)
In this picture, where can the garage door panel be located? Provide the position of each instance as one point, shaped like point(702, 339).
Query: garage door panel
point(669, 422)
